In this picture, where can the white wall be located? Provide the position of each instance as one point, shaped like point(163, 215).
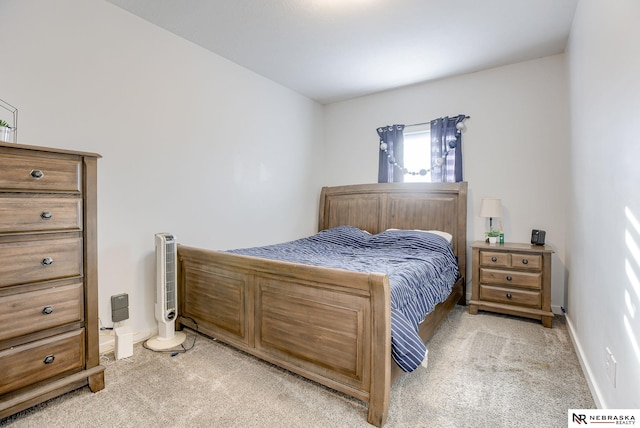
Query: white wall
point(515, 145)
point(604, 227)
point(192, 144)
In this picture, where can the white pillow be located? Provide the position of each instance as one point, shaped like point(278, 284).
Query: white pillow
point(445, 235)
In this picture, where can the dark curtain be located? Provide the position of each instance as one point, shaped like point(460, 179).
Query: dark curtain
point(446, 149)
point(391, 152)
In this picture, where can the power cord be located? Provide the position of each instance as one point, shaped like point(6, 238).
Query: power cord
point(102, 327)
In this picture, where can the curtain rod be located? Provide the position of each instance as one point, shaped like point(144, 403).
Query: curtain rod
point(426, 123)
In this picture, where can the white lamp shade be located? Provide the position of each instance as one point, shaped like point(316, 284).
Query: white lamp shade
point(491, 207)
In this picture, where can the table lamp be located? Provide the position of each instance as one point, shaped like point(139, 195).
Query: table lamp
point(490, 207)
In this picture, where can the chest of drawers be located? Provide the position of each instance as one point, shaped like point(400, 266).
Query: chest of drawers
point(48, 275)
point(512, 279)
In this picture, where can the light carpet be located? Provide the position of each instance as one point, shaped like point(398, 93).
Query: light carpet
point(483, 370)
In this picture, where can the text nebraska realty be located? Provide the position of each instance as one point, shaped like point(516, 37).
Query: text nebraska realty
point(610, 419)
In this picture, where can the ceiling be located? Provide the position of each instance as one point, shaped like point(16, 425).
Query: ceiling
point(333, 50)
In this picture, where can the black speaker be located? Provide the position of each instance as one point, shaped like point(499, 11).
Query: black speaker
point(537, 237)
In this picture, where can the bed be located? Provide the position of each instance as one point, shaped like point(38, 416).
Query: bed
point(329, 325)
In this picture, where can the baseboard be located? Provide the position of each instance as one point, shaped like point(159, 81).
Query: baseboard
point(107, 343)
point(586, 369)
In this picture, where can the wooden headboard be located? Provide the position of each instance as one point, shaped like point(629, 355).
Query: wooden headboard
point(380, 206)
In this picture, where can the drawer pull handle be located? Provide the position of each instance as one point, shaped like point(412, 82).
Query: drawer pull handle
point(47, 261)
point(494, 259)
point(49, 359)
point(509, 296)
point(509, 278)
point(525, 261)
point(37, 174)
point(47, 310)
point(46, 215)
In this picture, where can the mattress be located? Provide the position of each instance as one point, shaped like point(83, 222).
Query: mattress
point(420, 265)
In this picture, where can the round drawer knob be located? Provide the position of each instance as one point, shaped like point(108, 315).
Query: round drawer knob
point(509, 278)
point(509, 296)
point(47, 261)
point(46, 215)
point(494, 259)
point(36, 173)
point(47, 310)
point(525, 261)
point(49, 359)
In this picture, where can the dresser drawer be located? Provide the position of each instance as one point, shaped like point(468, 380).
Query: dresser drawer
point(511, 278)
point(31, 261)
point(511, 296)
point(32, 311)
point(511, 260)
point(39, 173)
point(44, 359)
point(39, 214)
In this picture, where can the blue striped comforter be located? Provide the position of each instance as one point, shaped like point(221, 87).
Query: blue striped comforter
point(421, 268)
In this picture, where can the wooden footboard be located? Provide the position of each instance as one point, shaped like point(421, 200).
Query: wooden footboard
point(328, 325)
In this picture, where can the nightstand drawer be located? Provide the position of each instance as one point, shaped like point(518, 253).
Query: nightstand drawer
point(510, 296)
point(510, 260)
point(18, 215)
point(39, 173)
point(490, 258)
point(31, 261)
point(25, 313)
point(526, 261)
point(37, 361)
point(511, 278)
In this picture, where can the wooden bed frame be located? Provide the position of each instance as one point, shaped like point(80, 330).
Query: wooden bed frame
point(327, 325)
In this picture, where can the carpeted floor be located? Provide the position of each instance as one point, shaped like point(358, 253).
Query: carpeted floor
point(484, 370)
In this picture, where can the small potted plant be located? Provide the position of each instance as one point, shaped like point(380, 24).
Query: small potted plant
point(5, 131)
point(492, 235)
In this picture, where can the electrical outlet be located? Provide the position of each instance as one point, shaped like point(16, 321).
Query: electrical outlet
point(611, 367)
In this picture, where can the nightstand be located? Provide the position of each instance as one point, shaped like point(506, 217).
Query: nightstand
point(513, 279)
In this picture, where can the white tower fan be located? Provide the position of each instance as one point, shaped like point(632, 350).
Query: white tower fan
point(166, 294)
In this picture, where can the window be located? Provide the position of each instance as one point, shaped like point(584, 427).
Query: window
point(417, 155)
point(433, 149)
